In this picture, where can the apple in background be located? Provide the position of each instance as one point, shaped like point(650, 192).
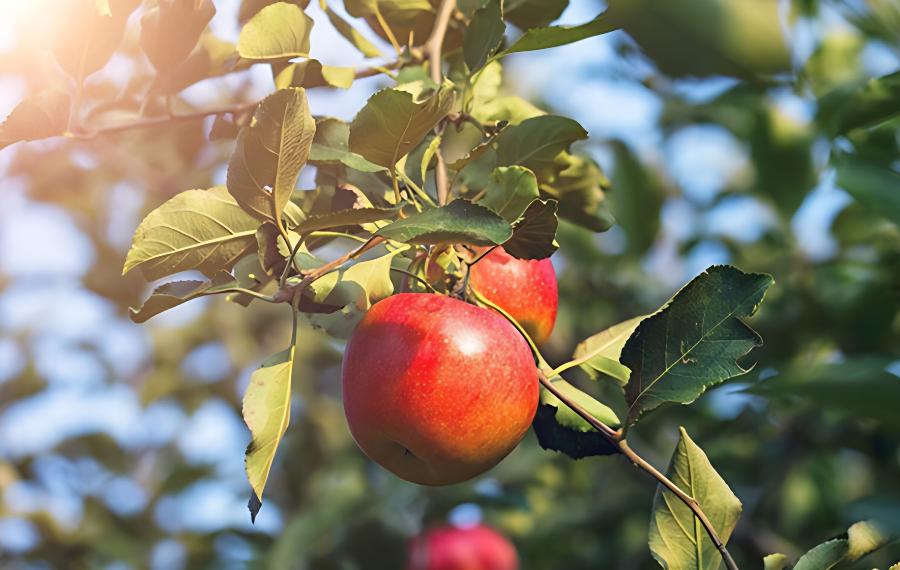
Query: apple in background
point(462, 548)
point(526, 289)
point(437, 390)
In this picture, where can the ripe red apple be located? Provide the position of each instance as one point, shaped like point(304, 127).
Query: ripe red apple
point(526, 289)
point(455, 548)
point(437, 390)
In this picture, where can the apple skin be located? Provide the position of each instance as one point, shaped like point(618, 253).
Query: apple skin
point(436, 390)
point(524, 288)
point(462, 548)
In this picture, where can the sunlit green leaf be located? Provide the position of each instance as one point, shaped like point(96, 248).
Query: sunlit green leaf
point(170, 30)
point(351, 217)
point(267, 411)
point(350, 33)
point(694, 341)
point(197, 229)
point(854, 106)
point(279, 31)
point(270, 152)
point(775, 562)
point(42, 116)
point(677, 539)
point(393, 122)
point(873, 184)
point(250, 8)
point(860, 540)
point(311, 73)
point(460, 221)
point(174, 293)
point(601, 352)
point(331, 145)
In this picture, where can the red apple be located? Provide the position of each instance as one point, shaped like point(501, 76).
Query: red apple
point(454, 548)
point(437, 390)
point(526, 289)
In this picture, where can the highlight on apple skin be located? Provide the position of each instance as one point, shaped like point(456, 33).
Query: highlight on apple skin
point(526, 289)
point(437, 390)
point(448, 547)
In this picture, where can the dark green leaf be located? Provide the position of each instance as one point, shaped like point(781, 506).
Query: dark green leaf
point(170, 30)
point(534, 234)
point(197, 229)
point(579, 188)
point(393, 122)
point(279, 31)
point(42, 116)
point(460, 221)
point(353, 217)
point(510, 191)
point(555, 36)
point(527, 14)
point(558, 428)
point(873, 184)
point(694, 341)
point(266, 163)
point(483, 35)
point(635, 199)
point(850, 107)
point(677, 539)
point(537, 140)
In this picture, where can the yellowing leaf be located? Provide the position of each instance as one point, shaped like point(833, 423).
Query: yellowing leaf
point(267, 411)
point(278, 31)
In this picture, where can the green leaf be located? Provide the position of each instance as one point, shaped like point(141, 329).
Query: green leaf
point(558, 428)
point(311, 73)
point(213, 57)
point(860, 387)
point(775, 562)
point(527, 14)
point(510, 191)
point(874, 185)
point(39, 117)
point(694, 341)
point(555, 36)
point(349, 217)
point(350, 33)
point(537, 140)
point(677, 539)
point(270, 152)
point(170, 30)
point(330, 145)
point(87, 34)
point(534, 233)
point(579, 188)
point(714, 37)
point(250, 8)
point(460, 221)
point(267, 411)
point(601, 352)
point(860, 540)
point(278, 32)
point(636, 200)
point(483, 35)
point(854, 106)
point(393, 122)
point(174, 293)
point(197, 229)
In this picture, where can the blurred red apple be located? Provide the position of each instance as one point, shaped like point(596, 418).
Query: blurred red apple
point(437, 390)
point(526, 289)
point(454, 548)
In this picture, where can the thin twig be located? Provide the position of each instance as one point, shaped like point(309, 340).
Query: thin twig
point(606, 431)
point(434, 45)
point(691, 503)
point(416, 277)
point(334, 264)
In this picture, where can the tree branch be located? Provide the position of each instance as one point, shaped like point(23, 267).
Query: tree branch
point(433, 46)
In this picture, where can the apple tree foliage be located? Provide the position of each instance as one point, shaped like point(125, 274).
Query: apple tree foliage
point(444, 158)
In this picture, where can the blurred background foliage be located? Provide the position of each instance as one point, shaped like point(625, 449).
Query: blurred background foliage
point(121, 446)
